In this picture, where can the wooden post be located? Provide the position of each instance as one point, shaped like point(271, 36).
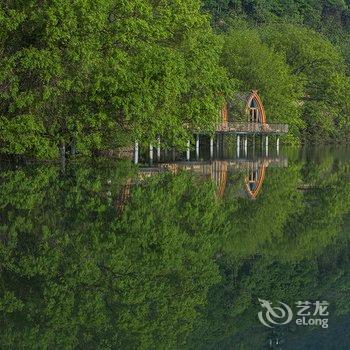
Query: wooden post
point(246, 145)
point(278, 145)
point(197, 146)
point(188, 151)
point(136, 153)
point(158, 148)
point(151, 154)
point(253, 145)
point(217, 145)
point(211, 147)
point(267, 146)
point(73, 149)
point(238, 145)
point(63, 149)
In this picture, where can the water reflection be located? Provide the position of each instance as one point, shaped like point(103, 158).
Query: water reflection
point(253, 172)
point(174, 256)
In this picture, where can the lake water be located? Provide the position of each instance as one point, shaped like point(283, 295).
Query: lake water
point(206, 254)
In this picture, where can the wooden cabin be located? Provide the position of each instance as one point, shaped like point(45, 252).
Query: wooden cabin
point(246, 114)
point(249, 105)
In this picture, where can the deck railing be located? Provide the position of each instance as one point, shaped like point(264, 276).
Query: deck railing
point(248, 127)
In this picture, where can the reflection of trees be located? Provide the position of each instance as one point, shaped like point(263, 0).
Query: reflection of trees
point(255, 224)
point(219, 172)
point(74, 274)
point(177, 267)
point(55, 239)
point(288, 245)
point(319, 221)
point(168, 231)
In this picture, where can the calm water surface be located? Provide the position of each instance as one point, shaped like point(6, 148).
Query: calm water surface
point(104, 255)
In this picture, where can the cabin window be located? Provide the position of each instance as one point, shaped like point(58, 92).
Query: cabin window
point(254, 112)
point(254, 175)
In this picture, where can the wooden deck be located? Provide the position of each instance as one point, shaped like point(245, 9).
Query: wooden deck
point(234, 164)
point(252, 128)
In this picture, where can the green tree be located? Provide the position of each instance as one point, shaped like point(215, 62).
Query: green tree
point(320, 65)
point(258, 67)
point(99, 74)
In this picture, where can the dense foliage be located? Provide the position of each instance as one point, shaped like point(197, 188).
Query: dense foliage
point(78, 275)
point(312, 39)
point(177, 267)
point(257, 67)
point(98, 74)
point(94, 75)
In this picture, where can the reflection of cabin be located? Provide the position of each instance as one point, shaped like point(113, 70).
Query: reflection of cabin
point(123, 196)
point(246, 114)
point(255, 179)
point(218, 171)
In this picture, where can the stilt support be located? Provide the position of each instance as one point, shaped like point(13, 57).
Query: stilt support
point(158, 148)
point(188, 151)
point(238, 146)
point(197, 146)
point(151, 154)
point(136, 153)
